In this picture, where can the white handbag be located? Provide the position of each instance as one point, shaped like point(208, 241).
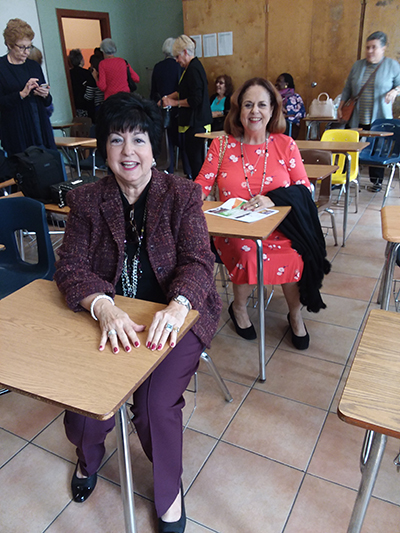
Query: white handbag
point(322, 108)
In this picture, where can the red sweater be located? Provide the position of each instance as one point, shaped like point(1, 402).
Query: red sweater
point(113, 76)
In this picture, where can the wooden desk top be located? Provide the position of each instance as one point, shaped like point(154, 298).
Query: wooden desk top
point(371, 397)
point(319, 172)
point(211, 135)
point(336, 146)
point(17, 194)
point(65, 125)
point(390, 217)
point(72, 142)
point(223, 227)
point(369, 133)
point(51, 353)
point(320, 119)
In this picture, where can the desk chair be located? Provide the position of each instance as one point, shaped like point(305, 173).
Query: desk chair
point(384, 151)
point(339, 177)
point(17, 214)
point(324, 195)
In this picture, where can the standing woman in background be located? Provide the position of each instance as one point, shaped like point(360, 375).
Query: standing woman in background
point(192, 100)
point(113, 71)
point(24, 94)
point(381, 77)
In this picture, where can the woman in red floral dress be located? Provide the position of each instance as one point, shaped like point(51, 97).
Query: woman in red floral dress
point(258, 158)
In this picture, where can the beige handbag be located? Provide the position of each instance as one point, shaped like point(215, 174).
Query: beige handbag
point(322, 108)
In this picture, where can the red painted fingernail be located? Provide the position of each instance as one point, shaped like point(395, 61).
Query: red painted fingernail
point(159, 347)
point(148, 345)
point(172, 344)
point(127, 348)
point(115, 350)
point(100, 347)
point(136, 344)
point(153, 346)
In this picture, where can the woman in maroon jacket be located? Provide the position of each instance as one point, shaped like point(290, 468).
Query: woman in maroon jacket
point(141, 234)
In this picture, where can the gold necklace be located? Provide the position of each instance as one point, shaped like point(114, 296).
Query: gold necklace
point(264, 170)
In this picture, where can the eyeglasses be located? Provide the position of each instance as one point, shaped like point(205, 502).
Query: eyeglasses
point(25, 48)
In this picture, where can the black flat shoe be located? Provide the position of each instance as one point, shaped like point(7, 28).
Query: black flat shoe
point(300, 343)
point(174, 527)
point(375, 188)
point(247, 333)
point(82, 488)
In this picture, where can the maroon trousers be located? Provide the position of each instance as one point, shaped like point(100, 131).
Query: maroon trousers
point(158, 404)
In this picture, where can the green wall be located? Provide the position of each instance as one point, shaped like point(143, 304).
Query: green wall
point(139, 27)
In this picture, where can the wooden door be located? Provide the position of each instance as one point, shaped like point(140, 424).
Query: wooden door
point(314, 41)
point(384, 16)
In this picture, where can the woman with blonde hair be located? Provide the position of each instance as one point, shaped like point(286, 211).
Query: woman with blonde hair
point(191, 98)
point(24, 93)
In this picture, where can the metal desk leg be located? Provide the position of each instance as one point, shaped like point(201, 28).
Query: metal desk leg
point(261, 311)
point(346, 197)
point(387, 276)
point(125, 469)
point(369, 473)
point(78, 167)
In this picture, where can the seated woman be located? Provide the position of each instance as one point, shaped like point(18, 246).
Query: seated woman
point(141, 234)
point(292, 103)
point(259, 164)
point(220, 101)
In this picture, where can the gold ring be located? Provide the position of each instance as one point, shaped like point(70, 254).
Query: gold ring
point(256, 205)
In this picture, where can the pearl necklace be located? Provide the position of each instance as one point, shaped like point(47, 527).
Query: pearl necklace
point(264, 170)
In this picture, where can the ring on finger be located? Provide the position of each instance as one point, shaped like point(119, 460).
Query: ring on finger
point(176, 329)
point(169, 327)
point(111, 332)
point(256, 205)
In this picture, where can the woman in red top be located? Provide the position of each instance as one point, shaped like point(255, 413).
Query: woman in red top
point(113, 74)
point(258, 159)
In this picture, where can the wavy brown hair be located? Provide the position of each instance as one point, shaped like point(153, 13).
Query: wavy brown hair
point(277, 124)
point(16, 30)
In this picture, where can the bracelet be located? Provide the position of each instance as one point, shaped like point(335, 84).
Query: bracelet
point(179, 105)
point(99, 297)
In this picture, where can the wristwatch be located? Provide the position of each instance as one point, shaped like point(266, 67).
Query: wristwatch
point(183, 301)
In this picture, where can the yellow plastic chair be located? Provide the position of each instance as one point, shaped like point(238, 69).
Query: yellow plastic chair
point(339, 177)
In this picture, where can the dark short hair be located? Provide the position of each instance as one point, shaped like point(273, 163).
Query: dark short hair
point(228, 83)
point(288, 79)
point(127, 112)
point(378, 36)
point(277, 124)
point(75, 56)
point(95, 60)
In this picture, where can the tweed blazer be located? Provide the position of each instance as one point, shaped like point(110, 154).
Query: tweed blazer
point(178, 245)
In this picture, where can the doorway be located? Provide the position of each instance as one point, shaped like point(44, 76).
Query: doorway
point(84, 30)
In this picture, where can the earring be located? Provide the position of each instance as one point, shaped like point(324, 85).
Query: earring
point(153, 163)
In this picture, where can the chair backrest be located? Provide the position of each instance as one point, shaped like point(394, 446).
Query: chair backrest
point(25, 214)
point(323, 192)
point(343, 135)
point(81, 127)
point(383, 148)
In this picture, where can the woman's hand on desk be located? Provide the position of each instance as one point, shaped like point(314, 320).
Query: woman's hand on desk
point(258, 202)
point(166, 323)
point(116, 325)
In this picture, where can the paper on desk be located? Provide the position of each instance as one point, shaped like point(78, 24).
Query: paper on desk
point(231, 209)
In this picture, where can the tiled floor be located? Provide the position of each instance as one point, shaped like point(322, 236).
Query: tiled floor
point(277, 459)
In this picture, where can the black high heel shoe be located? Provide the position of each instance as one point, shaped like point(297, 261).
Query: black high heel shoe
point(246, 333)
point(300, 343)
point(82, 488)
point(174, 527)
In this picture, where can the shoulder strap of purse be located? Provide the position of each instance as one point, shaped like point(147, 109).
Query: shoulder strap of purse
point(369, 79)
point(223, 143)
